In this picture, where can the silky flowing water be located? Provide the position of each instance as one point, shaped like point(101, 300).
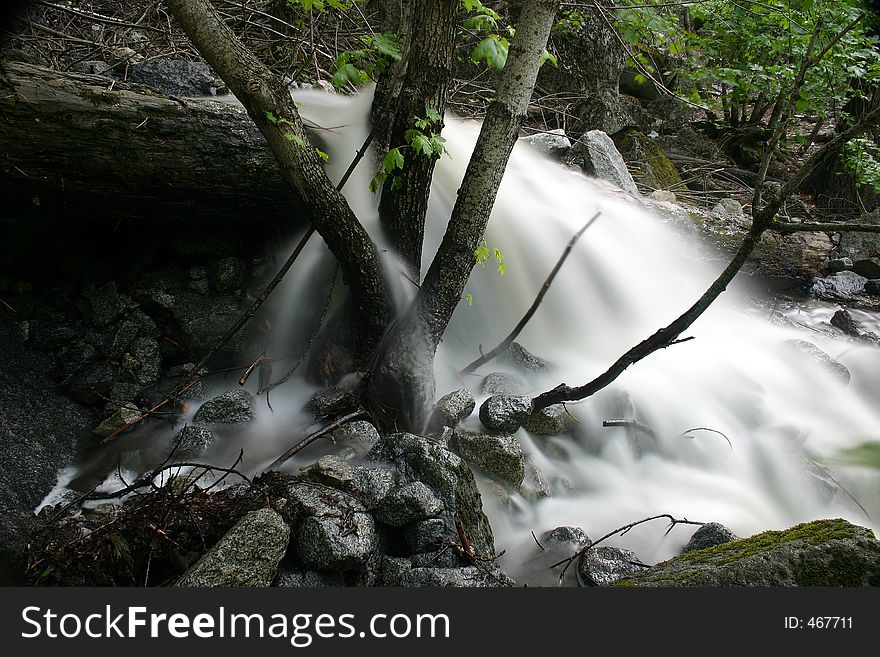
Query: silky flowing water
point(740, 419)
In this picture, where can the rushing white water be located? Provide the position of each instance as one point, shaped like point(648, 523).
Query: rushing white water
point(765, 410)
point(630, 274)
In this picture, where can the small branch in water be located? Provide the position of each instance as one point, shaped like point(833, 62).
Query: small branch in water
point(250, 369)
point(673, 521)
point(684, 434)
point(485, 358)
point(631, 424)
point(312, 437)
point(537, 542)
point(7, 306)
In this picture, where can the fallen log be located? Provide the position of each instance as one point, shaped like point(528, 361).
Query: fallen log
point(85, 147)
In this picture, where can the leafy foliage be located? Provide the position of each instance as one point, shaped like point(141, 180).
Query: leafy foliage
point(428, 144)
point(358, 67)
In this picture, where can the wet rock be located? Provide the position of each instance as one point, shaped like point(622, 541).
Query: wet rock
point(839, 264)
point(370, 485)
point(497, 455)
point(247, 555)
point(819, 553)
point(505, 413)
point(522, 359)
point(872, 287)
point(534, 485)
point(175, 77)
point(709, 535)
point(292, 577)
point(145, 364)
point(552, 144)
point(549, 421)
point(47, 335)
point(124, 416)
point(845, 283)
point(400, 572)
point(409, 503)
point(447, 475)
point(845, 322)
point(427, 535)
point(93, 384)
point(601, 159)
point(502, 383)
point(601, 565)
point(202, 320)
point(565, 536)
point(359, 435)
point(646, 161)
point(332, 530)
point(229, 408)
point(123, 336)
point(191, 442)
point(227, 275)
point(867, 267)
point(857, 245)
point(817, 355)
point(452, 409)
point(331, 402)
point(105, 304)
point(200, 286)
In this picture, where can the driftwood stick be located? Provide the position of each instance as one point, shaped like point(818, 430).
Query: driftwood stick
point(485, 358)
point(312, 437)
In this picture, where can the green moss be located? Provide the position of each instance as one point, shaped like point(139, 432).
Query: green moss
point(99, 98)
point(648, 161)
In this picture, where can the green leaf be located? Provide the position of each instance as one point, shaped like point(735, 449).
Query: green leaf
point(349, 73)
point(386, 44)
point(324, 156)
point(481, 254)
point(432, 114)
point(492, 50)
point(272, 118)
point(396, 182)
point(393, 160)
point(548, 56)
point(470, 299)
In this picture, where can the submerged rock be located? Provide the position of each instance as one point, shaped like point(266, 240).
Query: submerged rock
point(817, 355)
point(522, 359)
point(247, 555)
point(549, 421)
point(818, 553)
point(601, 565)
point(231, 407)
point(505, 413)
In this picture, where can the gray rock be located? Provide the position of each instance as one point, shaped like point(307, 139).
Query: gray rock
point(839, 264)
point(247, 555)
point(427, 535)
point(191, 441)
point(145, 364)
point(497, 455)
point(872, 287)
point(857, 245)
point(359, 435)
point(229, 408)
point(92, 67)
point(663, 196)
point(601, 565)
point(40, 432)
point(834, 366)
point(200, 286)
point(370, 485)
point(291, 577)
point(122, 394)
point(552, 144)
point(534, 485)
point(105, 304)
point(505, 413)
point(845, 283)
point(549, 421)
point(867, 267)
point(565, 537)
point(818, 553)
point(124, 416)
point(844, 321)
point(502, 383)
point(728, 208)
point(447, 475)
point(175, 77)
point(227, 275)
point(47, 335)
point(522, 359)
point(334, 531)
point(409, 503)
point(202, 319)
point(400, 572)
point(123, 336)
point(92, 384)
point(452, 409)
point(330, 402)
point(708, 535)
point(601, 159)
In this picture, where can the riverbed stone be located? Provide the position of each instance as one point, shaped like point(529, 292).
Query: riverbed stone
point(505, 413)
point(409, 503)
point(549, 421)
point(497, 455)
point(452, 409)
point(600, 566)
point(247, 555)
point(709, 535)
point(359, 435)
point(231, 407)
point(192, 441)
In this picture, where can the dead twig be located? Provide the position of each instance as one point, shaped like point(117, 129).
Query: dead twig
point(312, 437)
point(685, 433)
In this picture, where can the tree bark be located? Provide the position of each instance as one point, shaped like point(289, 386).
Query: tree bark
point(70, 147)
point(429, 51)
point(270, 106)
point(402, 383)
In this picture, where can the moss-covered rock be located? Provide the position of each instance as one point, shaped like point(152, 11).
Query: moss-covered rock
point(646, 160)
point(818, 553)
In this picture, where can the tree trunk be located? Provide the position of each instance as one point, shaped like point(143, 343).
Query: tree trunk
point(270, 106)
point(408, 352)
point(71, 147)
point(428, 69)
